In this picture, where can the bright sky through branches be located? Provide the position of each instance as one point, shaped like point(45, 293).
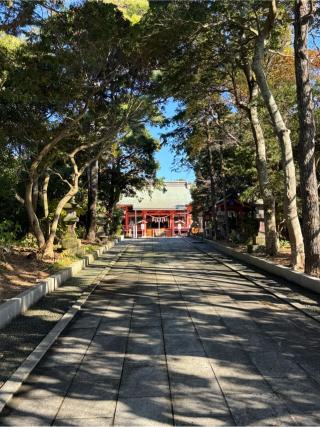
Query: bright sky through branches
point(166, 156)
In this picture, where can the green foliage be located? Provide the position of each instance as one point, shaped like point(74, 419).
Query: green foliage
point(90, 249)
point(28, 241)
point(131, 167)
point(66, 258)
point(285, 244)
point(251, 226)
point(8, 232)
point(116, 227)
point(78, 80)
point(80, 231)
point(132, 10)
point(91, 79)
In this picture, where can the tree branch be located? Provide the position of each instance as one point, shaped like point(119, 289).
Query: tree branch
point(19, 198)
point(61, 177)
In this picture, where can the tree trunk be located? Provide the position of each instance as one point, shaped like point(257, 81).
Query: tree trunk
point(33, 171)
point(93, 178)
point(225, 204)
point(32, 217)
point(308, 177)
point(212, 195)
point(48, 249)
point(45, 186)
point(35, 192)
point(272, 244)
point(225, 207)
point(283, 134)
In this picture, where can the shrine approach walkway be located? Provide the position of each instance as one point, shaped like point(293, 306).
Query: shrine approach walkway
point(173, 336)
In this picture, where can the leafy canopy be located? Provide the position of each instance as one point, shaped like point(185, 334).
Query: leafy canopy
point(132, 10)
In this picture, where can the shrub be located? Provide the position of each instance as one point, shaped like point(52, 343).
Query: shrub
point(8, 232)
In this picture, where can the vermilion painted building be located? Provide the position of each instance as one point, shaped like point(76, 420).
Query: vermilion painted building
point(158, 212)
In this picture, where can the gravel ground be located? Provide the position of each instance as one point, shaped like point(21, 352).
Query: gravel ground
point(22, 335)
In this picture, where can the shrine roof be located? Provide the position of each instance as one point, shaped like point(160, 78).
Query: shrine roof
point(175, 195)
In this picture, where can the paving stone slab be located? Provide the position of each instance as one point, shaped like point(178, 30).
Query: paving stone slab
point(116, 329)
point(146, 344)
point(148, 310)
point(124, 321)
point(28, 408)
point(144, 411)
point(22, 419)
point(273, 364)
point(192, 384)
point(183, 344)
point(178, 325)
point(201, 409)
point(144, 380)
point(102, 363)
point(62, 357)
point(108, 343)
point(255, 409)
point(84, 320)
point(87, 406)
point(93, 387)
point(86, 422)
point(141, 322)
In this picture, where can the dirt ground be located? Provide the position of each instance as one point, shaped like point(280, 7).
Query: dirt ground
point(20, 269)
point(283, 257)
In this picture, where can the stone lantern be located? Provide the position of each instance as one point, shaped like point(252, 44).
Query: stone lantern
point(101, 224)
point(261, 236)
point(70, 241)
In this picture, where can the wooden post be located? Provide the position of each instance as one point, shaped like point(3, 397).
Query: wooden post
point(144, 218)
point(188, 217)
point(127, 221)
point(172, 224)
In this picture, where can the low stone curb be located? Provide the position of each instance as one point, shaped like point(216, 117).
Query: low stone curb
point(300, 279)
point(13, 384)
point(20, 303)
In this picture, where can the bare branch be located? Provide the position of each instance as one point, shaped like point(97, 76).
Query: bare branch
point(61, 177)
point(284, 55)
point(19, 198)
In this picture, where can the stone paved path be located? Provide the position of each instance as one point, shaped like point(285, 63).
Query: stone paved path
point(22, 335)
point(174, 337)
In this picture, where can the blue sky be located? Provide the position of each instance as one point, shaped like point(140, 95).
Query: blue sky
point(165, 156)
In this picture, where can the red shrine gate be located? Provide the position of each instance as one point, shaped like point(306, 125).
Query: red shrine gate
point(156, 223)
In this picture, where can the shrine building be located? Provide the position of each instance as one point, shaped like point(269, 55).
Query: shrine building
point(158, 212)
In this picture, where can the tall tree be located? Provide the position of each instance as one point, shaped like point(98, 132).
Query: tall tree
point(21, 15)
point(251, 108)
point(83, 88)
point(93, 188)
point(303, 15)
point(203, 67)
point(283, 134)
point(130, 167)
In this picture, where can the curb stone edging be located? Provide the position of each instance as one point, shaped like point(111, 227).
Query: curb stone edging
point(13, 384)
point(20, 303)
point(301, 279)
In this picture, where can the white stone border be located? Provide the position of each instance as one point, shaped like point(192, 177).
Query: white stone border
point(300, 279)
point(20, 303)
